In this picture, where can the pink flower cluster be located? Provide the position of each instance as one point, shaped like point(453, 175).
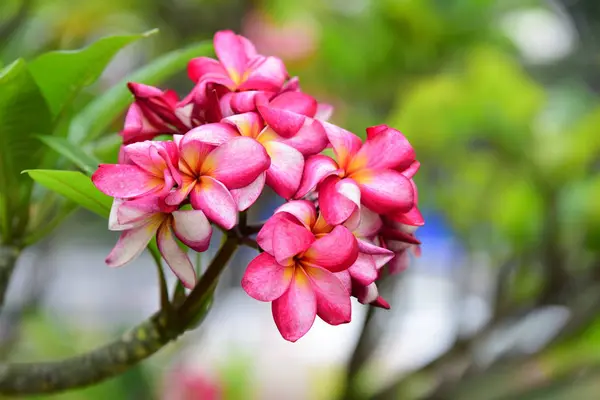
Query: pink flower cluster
point(244, 125)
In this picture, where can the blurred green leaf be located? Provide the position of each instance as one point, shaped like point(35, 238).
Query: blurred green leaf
point(23, 114)
point(62, 74)
point(87, 162)
point(96, 116)
point(74, 186)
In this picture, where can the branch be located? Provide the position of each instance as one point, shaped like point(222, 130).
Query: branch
point(8, 260)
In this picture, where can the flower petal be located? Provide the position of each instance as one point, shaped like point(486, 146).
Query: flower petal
point(176, 258)
point(138, 128)
point(380, 255)
point(335, 251)
point(338, 199)
point(193, 153)
point(231, 53)
point(373, 131)
point(333, 301)
point(295, 311)
point(285, 172)
point(237, 163)
point(363, 270)
point(365, 294)
point(370, 224)
point(296, 102)
point(324, 111)
point(138, 211)
point(316, 168)
point(246, 196)
point(344, 277)
point(215, 134)
point(199, 67)
point(388, 149)
point(242, 102)
point(412, 217)
point(412, 169)
point(213, 198)
point(248, 124)
point(385, 191)
point(192, 228)
point(290, 239)
point(133, 242)
point(125, 181)
point(265, 235)
point(310, 139)
point(283, 122)
point(265, 279)
point(345, 144)
point(265, 73)
point(303, 210)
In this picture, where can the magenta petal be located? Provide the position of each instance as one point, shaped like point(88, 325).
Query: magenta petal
point(137, 211)
point(363, 270)
point(316, 168)
point(265, 279)
point(324, 111)
point(388, 149)
point(200, 66)
point(375, 130)
point(231, 52)
point(370, 224)
point(411, 170)
point(338, 199)
point(379, 255)
point(192, 228)
point(124, 181)
point(237, 163)
point(296, 102)
point(248, 124)
point(285, 172)
point(266, 73)
point(295, 311)
point(283, 122)
point(132, 243)
point(242, 102)
point(335, 251)
point(303, 210)
point(177, 260)
point(333, 301)
point(310, 139)
point(412, 217)
point(212, 197)
point(215, 134)
point(346, 279)
point(137, 127)
point(385, 191)
point(345, 143)
point(290, 239)
point(366, 294)
point(265, 235)
point(246, 196)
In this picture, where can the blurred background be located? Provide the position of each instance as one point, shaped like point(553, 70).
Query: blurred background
point(499, 99)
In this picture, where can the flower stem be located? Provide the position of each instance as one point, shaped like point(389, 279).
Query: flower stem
point(8, 260)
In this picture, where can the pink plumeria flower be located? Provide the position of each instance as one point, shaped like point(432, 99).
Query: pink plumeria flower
point(363, 174)
point(297, 274)
point(399, 238)
point(148, 168)
point(154, 112)
point(212, 165)
point(143, 218)
point(183, 383)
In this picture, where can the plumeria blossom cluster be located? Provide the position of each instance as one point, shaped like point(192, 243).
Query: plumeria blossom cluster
point(347, 221)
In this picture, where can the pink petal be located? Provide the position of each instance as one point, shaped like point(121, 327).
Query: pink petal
point(370, 224)
point(345, 144)
point(285, 123)
point(296, 102)
point(373, 131)
point(324, 111)
point(366, 294)
point(265, 235)
point(241, 102)
point(133, 242)
point(295, 311)
point(381, 303)
point(289, 239)
point(412, 169)
point(231, 52)
point(316, 168)
point(399, 263)
point(333, 301)
point(125, 181)
point(215, 134)
point(338, 199)
point(246, 196)
point(412, 217)
point(149, 156)
point(268, 74)
point(380, 255)
point(344, 277)
point(310, 139)
point(198, 67)
point(292, 85)
point(192, 228)
point(113, 221)
point(137, 128)
point(248, 124)
point(237, 163)
point(335, 251)
point(385, 191)
point(363, 270)
point(388, 149)
point(135, 212)
point(265, 279)
point(398, 236)
point(176, 258)
point(180, 194)
point(212, 197)
point(193, 153)
point(303, 210)
point(285, 172)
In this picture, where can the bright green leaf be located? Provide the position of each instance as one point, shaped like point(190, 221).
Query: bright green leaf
point(87, 162)
point(92, 121)
point(23, 114)
point(74, 186)
point(62, 74)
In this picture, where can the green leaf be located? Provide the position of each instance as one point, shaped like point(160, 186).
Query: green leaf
point(62, 74)
point(93, 120)
point(87, 162)
point(23, 114)
point(74, 186)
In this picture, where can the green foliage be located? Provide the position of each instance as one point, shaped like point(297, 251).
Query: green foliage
point(86, 162)
point(76, 187)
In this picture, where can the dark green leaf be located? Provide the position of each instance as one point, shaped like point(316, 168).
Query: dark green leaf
point(62, 74)
point(87, 162)
point(74, 186)
point(23, 114)
point(92, 121)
